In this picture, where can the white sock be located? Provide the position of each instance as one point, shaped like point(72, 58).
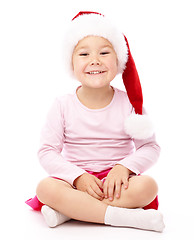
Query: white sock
point(52, 217)
point(136, 218)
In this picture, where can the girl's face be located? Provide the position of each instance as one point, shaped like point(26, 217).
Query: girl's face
point(94, 62)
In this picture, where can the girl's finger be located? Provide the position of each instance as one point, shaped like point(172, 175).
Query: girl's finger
point(125, 183)
point(105, 189)
point(97, 190)
point(111, 191)
point(118, 189)
point(99, 182)
point(92, 193)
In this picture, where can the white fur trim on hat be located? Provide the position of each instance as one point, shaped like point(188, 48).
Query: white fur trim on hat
point(94, 25)
point(139, 126)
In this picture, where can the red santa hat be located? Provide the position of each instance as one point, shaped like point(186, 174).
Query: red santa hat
point(84, 24)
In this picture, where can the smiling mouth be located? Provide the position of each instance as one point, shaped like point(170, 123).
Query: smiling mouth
point(95, 72)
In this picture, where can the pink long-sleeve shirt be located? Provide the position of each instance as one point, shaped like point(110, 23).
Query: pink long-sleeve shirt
point(76, 139)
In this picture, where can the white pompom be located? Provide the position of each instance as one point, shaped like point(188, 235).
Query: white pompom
point(139, 126)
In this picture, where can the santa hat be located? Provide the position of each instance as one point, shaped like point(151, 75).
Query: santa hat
point(84, 24)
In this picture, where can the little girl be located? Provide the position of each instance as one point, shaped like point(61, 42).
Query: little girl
point(97, 141)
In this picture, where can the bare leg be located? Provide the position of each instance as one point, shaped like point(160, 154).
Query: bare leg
point(78, 205)
point(75, 204)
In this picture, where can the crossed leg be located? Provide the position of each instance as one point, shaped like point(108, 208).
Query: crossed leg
point(78, 205)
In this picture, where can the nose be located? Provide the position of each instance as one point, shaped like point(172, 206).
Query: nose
point(95, 61)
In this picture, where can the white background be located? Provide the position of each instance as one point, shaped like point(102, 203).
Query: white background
point(160, 34)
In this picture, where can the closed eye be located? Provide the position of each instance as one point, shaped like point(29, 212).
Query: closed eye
point(104, 53)
point(83, 54)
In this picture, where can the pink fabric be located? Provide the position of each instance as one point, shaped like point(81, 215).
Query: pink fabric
point(36, 205)
point(76, 139)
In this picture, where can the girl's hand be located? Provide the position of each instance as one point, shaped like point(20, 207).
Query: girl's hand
point(90, 184)
point(118, 176)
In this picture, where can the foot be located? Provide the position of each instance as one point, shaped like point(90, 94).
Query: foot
point(53, 218)
point(136, 218)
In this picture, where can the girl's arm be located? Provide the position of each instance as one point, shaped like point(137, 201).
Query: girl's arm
point(52, 140)
point(146, 154)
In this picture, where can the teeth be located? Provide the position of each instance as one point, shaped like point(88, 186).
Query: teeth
point(95, 72)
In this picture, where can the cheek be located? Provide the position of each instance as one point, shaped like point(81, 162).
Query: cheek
point(76, 66)
point(78, 69)
point(114, 65)
point(81, 64)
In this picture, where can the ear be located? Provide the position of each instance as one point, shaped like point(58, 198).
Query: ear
point(139, 126)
